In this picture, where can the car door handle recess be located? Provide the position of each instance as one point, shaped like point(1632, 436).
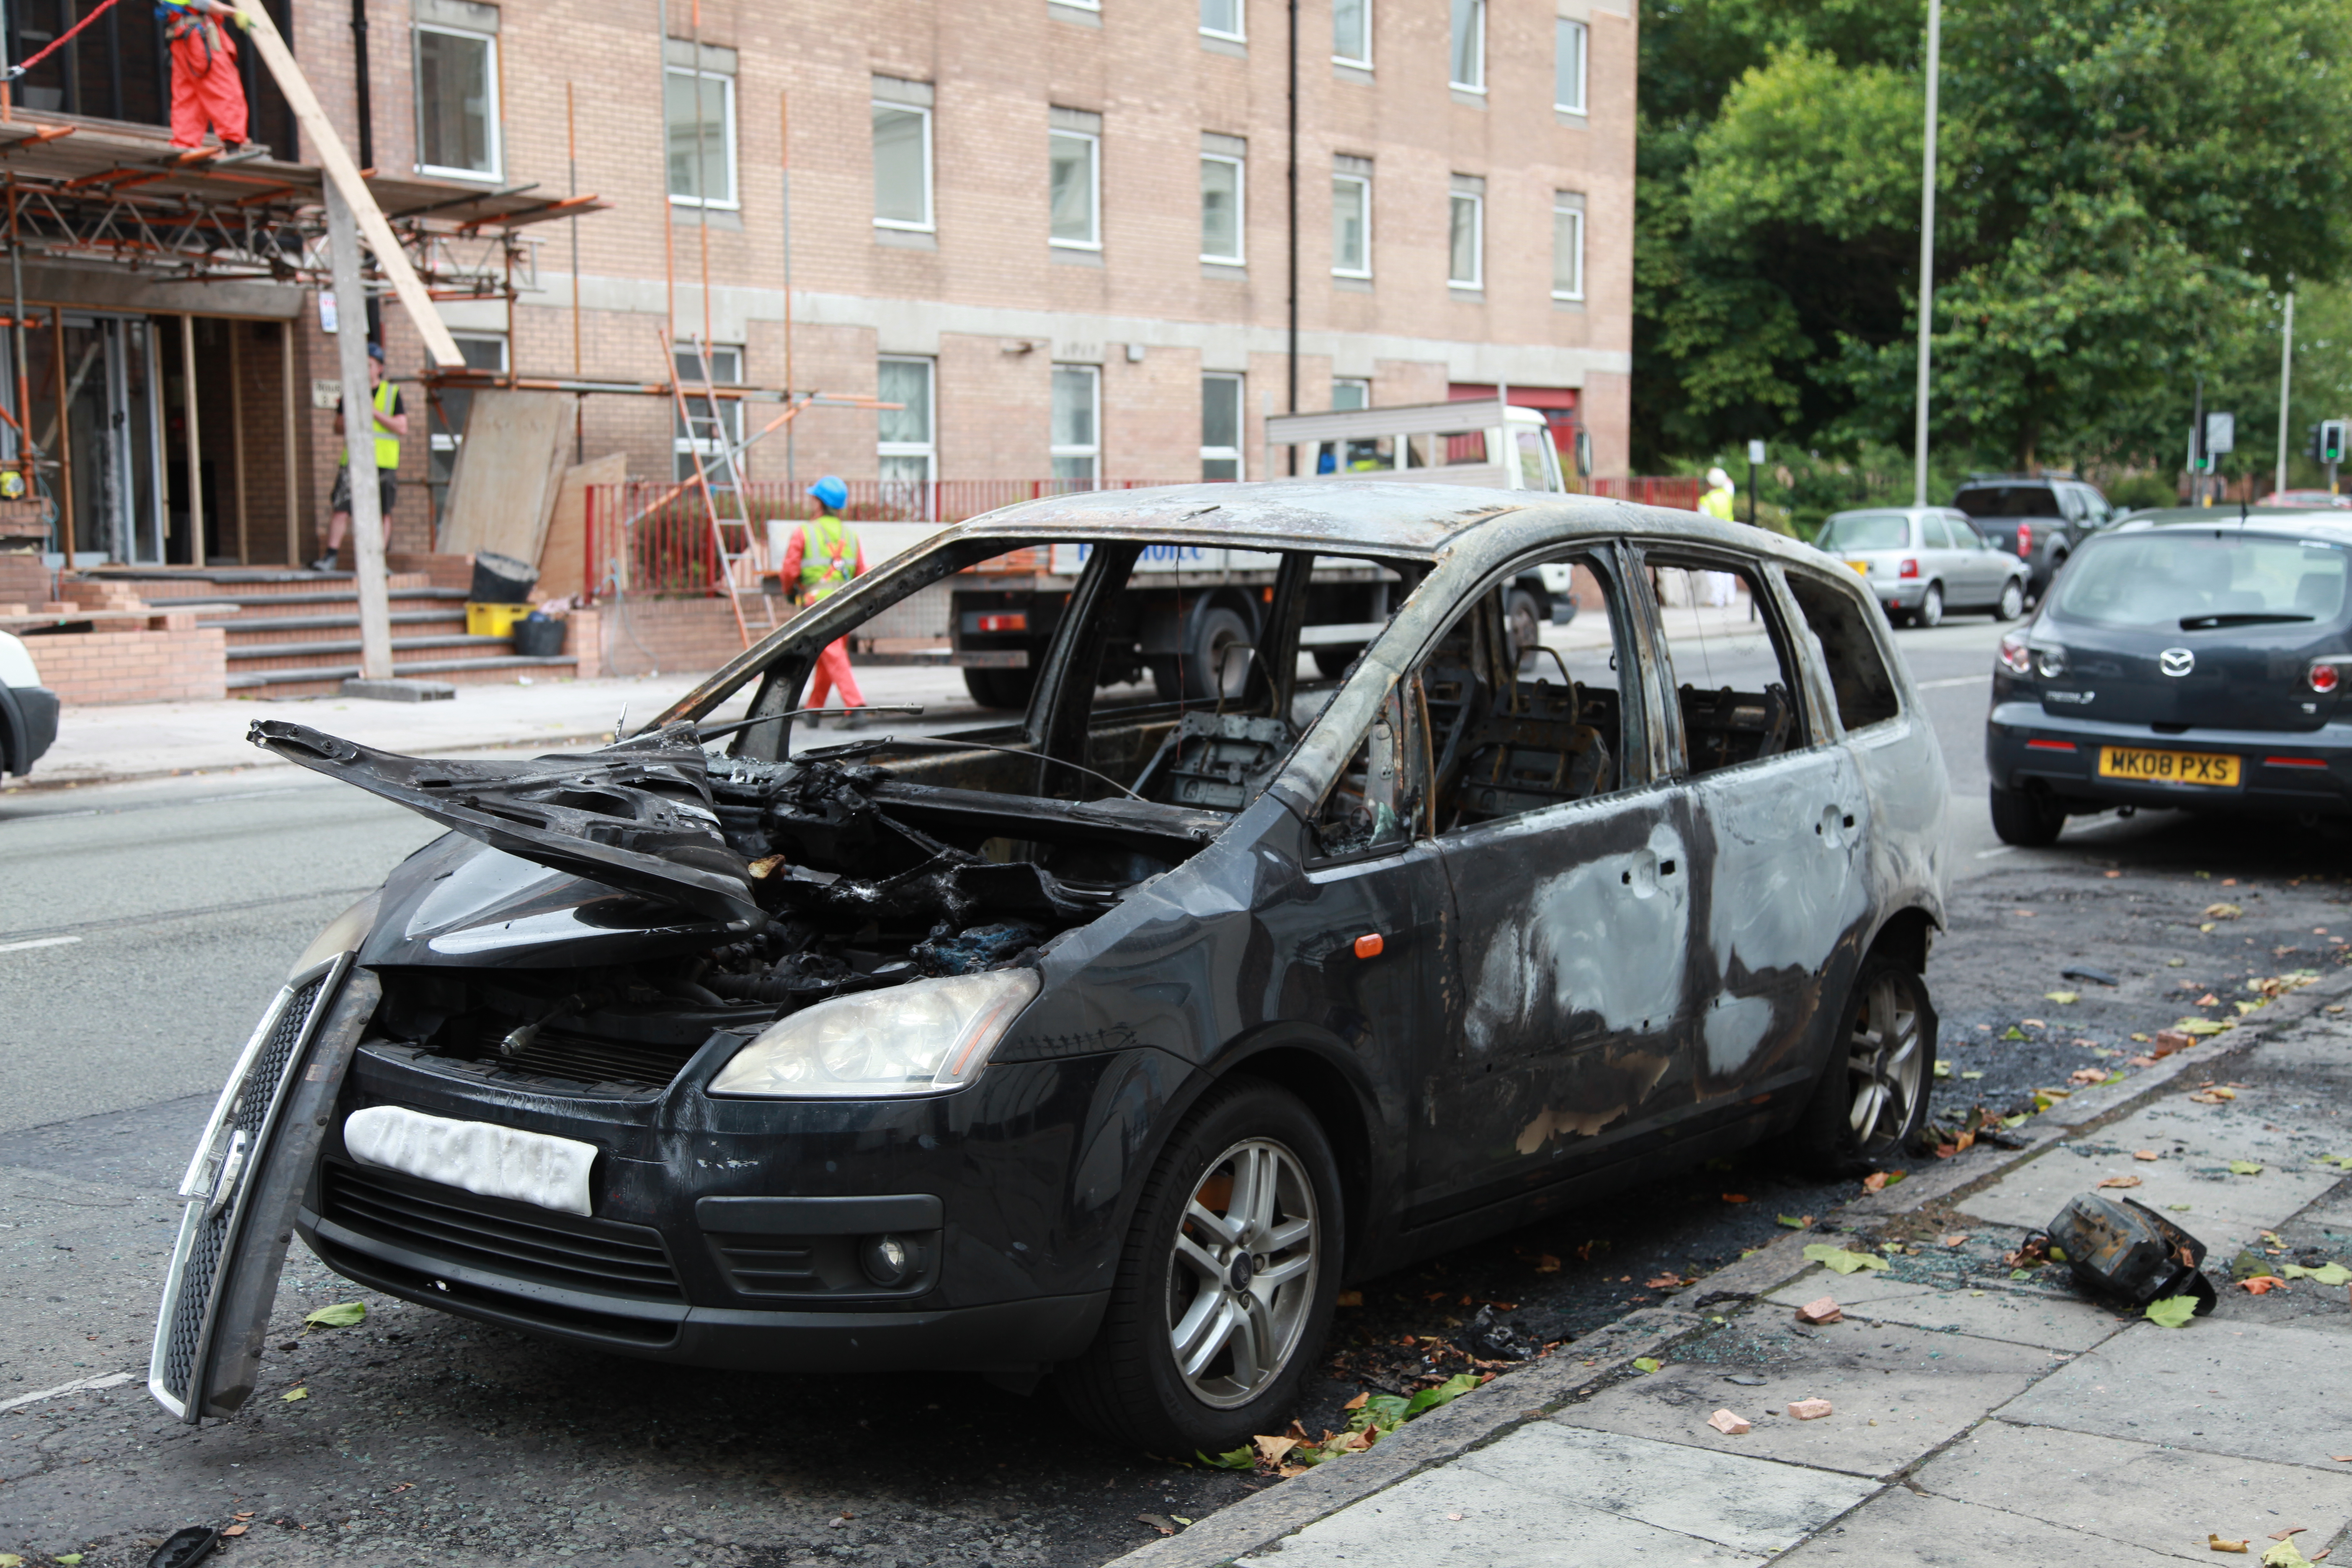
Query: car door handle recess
point(1370, 944)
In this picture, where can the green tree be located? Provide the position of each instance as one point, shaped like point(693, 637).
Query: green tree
point(2126, 188)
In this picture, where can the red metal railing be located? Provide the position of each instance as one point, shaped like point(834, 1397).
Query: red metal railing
point(654, 538)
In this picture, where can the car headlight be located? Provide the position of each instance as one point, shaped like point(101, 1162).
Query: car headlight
point(920, 1038)
point(343, 934)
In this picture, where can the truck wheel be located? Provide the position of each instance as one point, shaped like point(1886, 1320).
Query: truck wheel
point(1220, 631)
point(1007, 689)
point(1225, 1285)
point(2026, 818)
point(1334, 661)
point(1872, 1098)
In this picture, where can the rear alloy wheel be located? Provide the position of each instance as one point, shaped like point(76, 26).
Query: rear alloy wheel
point(1226, 1284)
point(2012, 602)
point(1930, 612)
point(2031, 819)
point(1872, 1098)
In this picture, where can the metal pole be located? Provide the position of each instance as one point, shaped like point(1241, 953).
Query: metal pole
point(236, 432)
point(1927, 255)
point(2286, 379)
point(291, 461)
point(359, 439)
point(1293, 176)
point(193, 437)
point(571, 163)
point(2196, 496)
point(792, 449)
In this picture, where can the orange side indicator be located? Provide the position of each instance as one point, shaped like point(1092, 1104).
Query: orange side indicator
point(1369, 946)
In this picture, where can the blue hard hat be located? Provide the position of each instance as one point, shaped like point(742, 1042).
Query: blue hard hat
point(830, 492)
point(375, 353)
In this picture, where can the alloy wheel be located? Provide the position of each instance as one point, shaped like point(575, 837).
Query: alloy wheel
point(1242, 1280)
point(2012, 600)
point(1884, 1066)
point(1930, 612)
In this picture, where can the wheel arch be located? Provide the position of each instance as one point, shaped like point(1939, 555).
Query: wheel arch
point(1310, 1069)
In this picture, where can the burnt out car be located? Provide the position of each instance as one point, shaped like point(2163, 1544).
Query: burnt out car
point(1114, 1041)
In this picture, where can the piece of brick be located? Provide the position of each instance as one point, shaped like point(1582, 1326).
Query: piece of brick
point(1825, 1310)
point(1730, 1425)
point(1809, 1410)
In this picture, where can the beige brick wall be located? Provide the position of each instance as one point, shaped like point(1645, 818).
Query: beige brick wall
point(183, 664)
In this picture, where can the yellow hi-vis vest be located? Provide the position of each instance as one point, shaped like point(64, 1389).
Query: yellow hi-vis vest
point(828, 556)
point(387, 444)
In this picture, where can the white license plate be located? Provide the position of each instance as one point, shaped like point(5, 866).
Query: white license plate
point(474, 1157)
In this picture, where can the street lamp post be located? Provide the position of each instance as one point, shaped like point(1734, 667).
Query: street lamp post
point(1927, 254)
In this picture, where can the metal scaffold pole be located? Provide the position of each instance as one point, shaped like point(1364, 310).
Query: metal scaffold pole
point(359, 437)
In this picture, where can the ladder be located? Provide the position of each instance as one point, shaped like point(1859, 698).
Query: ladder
point(732, 539)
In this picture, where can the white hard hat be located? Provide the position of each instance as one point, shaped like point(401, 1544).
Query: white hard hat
point(1719, 480)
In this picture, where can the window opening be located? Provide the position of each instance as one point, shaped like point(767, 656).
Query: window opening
point(1468, 56)
point(1465, 239)
point(698, 122)
point(1568, 41)
point(1221, 20)
point(1351, 32)
point(1077, 435)
point(1221, 207)
point(457, 102)
point(1859, 679)
point(1732, 678)
point(902, 165)
point(1074, 169)
point(1221, 426)
point(1566, 246)
point(726, 370)
point(1351, 218)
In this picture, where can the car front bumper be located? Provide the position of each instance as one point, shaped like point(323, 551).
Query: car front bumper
point(2029, 748)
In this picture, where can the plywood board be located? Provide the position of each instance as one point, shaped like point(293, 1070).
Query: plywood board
point(563, 557)
point(503, 487)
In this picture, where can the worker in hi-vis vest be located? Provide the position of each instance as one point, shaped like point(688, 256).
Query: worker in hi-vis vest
point(820, 559)
point(390, 424)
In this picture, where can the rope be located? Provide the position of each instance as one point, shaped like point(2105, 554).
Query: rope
point(56, 44)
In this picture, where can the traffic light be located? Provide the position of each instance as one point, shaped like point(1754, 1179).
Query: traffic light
point(2334, 436)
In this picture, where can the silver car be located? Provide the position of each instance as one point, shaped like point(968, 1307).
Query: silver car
point(1921, 560)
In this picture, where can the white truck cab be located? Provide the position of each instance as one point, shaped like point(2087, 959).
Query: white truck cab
point(1479, 441)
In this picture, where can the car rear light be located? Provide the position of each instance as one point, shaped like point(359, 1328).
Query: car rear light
point(1910, 568)
point(2323, 676)
point(2050, 663)
point(2015, 657)
point(1016, 622)
point(2025, 541)
point(2293, 762)
point(2049, 745)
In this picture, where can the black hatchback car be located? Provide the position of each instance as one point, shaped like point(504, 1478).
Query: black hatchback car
point(2189, 659)
point(1113, 1041)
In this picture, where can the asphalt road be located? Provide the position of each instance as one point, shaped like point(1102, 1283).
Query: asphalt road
point(173, 909)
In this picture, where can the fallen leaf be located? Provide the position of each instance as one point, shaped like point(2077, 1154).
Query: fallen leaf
point(2260, 1284)
point(2088, 1075)
point(2326, 1274)
point(1645, 1363)
point(1955, 1238)
point(1350, 1299)
point(1824, 1310)
point(2172, 1311)
point(2170, 1040)
point(1664, 1282)
point(1547, 1264)
point(1972, 1076)
point(1167, 1526)
point(1730, 1425)
point(2286, 1554)
point(2119, 1181)
point(2244, 1168)
point(1355, 1403)
point(2013, 1033)
point(1235, 1460)
point(1809, 1410)
point(2139, 1062)
point(1875, 1182)
point(2217, 1544)
point(2222, 911)
point(2064, 998)
point(1795, 1222)
point(1735, 1197)
point(2290, 1532)
point(10, 1559)
point(296, 1393)
point(342, 1315)
point(2033, 1022)
point(1833, 1257)
point(70, 1559)
point(232, 1529)
point(2146, 1155)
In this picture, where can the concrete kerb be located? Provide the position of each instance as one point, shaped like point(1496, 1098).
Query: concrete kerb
point(1540, 1388)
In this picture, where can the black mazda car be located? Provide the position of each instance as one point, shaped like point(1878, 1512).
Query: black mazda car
point(1115, 1040)
point(2190, 658)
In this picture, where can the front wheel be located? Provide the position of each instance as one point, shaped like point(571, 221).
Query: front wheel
point(2012, 602)
point(1872, 1098)
point(2026, 818)
point(1225, 1286)
point(1930, 612)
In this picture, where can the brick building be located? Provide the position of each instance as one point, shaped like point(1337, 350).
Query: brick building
point(1060, 231)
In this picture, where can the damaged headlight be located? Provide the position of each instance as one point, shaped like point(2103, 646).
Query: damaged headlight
point(343, 934)
point(917, 1038)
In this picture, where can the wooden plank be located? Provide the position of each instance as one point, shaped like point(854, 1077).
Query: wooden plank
point(339, 168)
point(508, 469)
point(563, 557)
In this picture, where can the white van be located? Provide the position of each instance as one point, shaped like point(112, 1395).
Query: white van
point(1478, 441)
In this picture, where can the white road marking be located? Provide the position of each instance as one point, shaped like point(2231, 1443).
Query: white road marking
point(37, 941)
point(111, 1380)
point(1953, 680)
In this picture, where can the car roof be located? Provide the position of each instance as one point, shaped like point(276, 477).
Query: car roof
point(2274, 521)
point(1388, 518)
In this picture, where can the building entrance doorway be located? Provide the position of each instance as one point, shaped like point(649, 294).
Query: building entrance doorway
point(92, 382)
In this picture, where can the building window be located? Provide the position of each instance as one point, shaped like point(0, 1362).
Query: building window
point(1568, 66)
point(902, 153)
point(1465, 259)
point(1077, 422)
point(702, 439)
point(1221, 426)
point(1469, 57)
point(1075, 179)
point(907, 449)
point(1222, 162)
point(1566, 246)
point(1351, 392)
point(448, 408)
point(1351, 217)
point(1221, 20)
point(699, 125)
point(1351, 32)
point(457, 102)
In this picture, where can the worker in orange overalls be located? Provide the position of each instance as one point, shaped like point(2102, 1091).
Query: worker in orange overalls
point(822, 558)
point(206, 91)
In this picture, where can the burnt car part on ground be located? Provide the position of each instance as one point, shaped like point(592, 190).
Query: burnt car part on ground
point(1110, 1043)
point(2187, 661)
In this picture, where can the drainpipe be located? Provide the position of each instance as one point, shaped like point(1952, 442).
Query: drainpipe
point(362, 92)
point(1293, 222)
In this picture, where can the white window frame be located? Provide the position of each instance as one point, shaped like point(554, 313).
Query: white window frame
point(1240, 35)
point(1478, 9)
point(1478, 200)
point(1362, 181)
point(1565, 27)
point(683, 443)
point(1362, 384)
point(1055, 451)
point(1239, 164)
point(927, 449)
point(1566, 204)
point(732, 202)
point(490, 93)
point(1338, 59)
point(1093, 138)
point(1233, 453)
point(929, 223)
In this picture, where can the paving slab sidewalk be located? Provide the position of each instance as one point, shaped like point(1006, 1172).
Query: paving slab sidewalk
point(1978, 1418)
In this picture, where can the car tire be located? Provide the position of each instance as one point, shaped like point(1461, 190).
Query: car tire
point(2011, 604)
point(1871, 1099)
point(1930, 612)
point(1176, 1282)
point(2027, 818)
point(1006, 689)
point(1219, 630)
